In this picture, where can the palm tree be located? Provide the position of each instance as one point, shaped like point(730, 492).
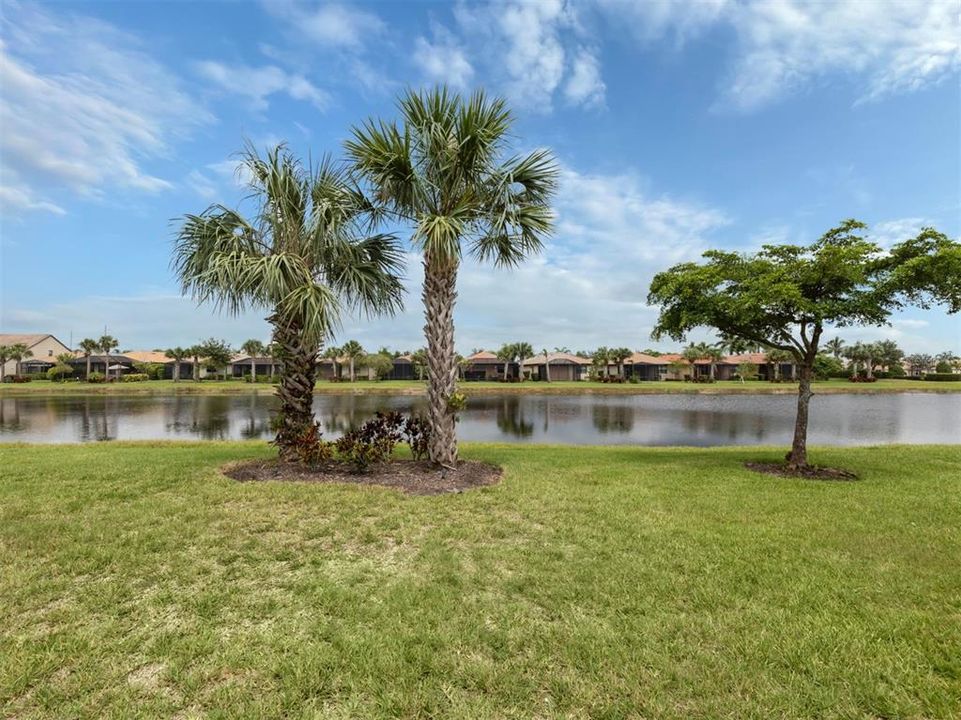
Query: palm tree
point(18, 353)
point(176, 354)
point(506, 355)
point(88, 346)
point(305, 256)
point(547, 365)
point(333, 354)
point(618, 356)
point(692, 353)
point(524, 350)
point(254, 349)
point(856, 355)
point(107, 344)
point(776, 357)
point(193, 352)
point(919, 363)
point(835, 346)
point(714, 355)
point(443, 172)
point(63, 365)
point(4, 357)
point(352, 350)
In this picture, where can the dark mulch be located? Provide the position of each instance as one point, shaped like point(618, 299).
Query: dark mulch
point(812, 472)
point(414, 477)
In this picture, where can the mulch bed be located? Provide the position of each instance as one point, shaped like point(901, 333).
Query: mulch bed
point(812, 472)
point(413, 477)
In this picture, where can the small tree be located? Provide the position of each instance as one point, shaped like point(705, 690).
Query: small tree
point(419, 359)
point(888, 354)
point(692, 353)
point(600, 359)
point(784, 295)
point(380, 363)
point(618, 356)
point(777, 357)
point(333, 353)
point(746, 371)
point(506, 355)
point(217, 353)
point(524, 351)
point(18, 353)
point(919, 363)
point(4, 357)
point(835, 346)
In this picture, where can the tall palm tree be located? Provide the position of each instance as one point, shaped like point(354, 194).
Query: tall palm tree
point(777, 357)
point(547, 365)
point(506, 355)
point(193, 352)
point(18, 353)
point(254, 349)
point(600, 359)
point(618, 356)
point(835, 346)
point(524, 350)
point(305, 255)
point(692, 353)
point(177, 354)
point(443, 172)
point(333, 353)
point(88, 346)
point(107, 344)
point(352, 350)
point(714, 355)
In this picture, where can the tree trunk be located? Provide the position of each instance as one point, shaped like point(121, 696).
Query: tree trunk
point(352, 368)
point(195, 370)
point(869, 366)
point(712, 372)
point(440, 295)
point(253, 370)
point(798, 457)
point(547, 368)
point(176, 372)
point(295, 390)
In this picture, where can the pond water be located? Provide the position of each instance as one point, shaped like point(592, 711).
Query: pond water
point(567, 419)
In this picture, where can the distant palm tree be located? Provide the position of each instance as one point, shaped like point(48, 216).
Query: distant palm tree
point(193, 352)
point(333, 353)
point(714, 355)
point(4, 357)
point(692, 353)
point(18, 353)
point(419, 358)
point(254, 349)
point(618, 356)
point(107, 344)
point(506, 355)
point(352, 350)
point(63, 366)
point(444, 172)
point(89, 346)
point(177, 354)
point(524, 351)
point(547, 365)
point(835, 346)
point(600, 359)
point(777, 358)
point(306, 256)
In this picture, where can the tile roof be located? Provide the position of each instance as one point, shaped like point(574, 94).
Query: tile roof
point(558, 357)
point(28, 339)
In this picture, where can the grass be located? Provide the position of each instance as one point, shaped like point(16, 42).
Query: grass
point(413, 387)
point(592, 583)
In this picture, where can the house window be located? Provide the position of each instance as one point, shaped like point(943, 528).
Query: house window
point(49, 353)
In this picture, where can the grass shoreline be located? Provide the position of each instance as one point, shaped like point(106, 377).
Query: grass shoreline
point(591, 582)
point(403, 387)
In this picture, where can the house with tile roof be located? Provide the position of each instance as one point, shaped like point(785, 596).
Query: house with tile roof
point(43, 346)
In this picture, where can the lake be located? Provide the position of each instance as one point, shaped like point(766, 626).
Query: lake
point(699, 420)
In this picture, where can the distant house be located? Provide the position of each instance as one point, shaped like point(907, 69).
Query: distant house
point(241, 366)
point(673, 366)
point(563, 366)
point(403, 369)
point(44, 348)
point(484, 365)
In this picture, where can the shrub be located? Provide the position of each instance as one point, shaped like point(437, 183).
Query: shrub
point(134, 377)
point(827, 366)
point(943, 368)
point(633, 380)
point(16, 378)
point(96, 377)
point(311, 448)
point(942, 377)
point(896, 371)
point(862, 379)
point(372, 443)
point(417, 432)
point(58, 372)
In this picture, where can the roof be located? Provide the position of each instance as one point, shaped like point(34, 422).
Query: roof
point(755, 358)
point(558, 357)
point(639, 358)
point(28, 339)
point(147, 356)
point(483, 357)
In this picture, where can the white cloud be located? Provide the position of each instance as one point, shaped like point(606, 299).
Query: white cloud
point(258, 83)
point(890, 232)
point(893, 46)
point(651, 20)
point(585, 86)
point(531, 50)
point(83, 105)
point(443, 62)
point(329, 24)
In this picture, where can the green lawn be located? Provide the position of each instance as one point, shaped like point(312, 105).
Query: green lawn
point(412, 387)
point(592, 583)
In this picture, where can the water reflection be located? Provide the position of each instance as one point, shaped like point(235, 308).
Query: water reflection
point(582, 419)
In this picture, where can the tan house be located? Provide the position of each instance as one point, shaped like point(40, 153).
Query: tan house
point(44, 349)
point(563, 367)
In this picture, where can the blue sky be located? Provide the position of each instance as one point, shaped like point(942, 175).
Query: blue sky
point(679, 126)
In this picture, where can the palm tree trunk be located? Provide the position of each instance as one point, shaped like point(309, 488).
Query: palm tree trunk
point(176, 372)
point(88, 367)
point(798, 457)
point(440, 295)
point(869, 364)
point(295, 390)
point(547, 368)
point(352, 368)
